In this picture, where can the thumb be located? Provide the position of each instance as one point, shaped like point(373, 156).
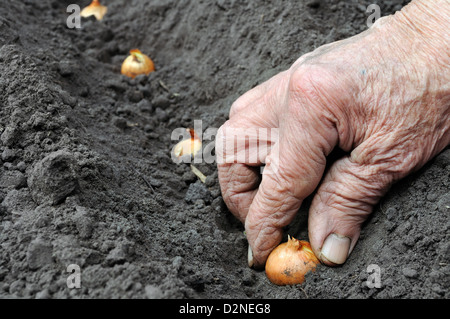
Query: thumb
point(343, 202)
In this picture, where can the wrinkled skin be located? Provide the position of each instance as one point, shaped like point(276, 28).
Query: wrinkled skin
point(383, 96)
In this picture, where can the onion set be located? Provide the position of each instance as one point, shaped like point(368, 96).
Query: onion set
point(189, 146)
point(289, 262)
point(137, 63)
point(94, 9)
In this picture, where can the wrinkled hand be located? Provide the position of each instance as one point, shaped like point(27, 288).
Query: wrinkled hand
point(383, 96)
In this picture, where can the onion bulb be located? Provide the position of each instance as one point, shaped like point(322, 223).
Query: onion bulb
point(288, 263)
point(188, 146)
point(94, 9)
point(137, 63)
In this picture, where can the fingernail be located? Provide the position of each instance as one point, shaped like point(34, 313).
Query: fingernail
point(250, 257)
point(335, 248)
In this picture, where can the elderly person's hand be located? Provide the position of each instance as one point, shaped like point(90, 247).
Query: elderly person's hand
point(383, 96)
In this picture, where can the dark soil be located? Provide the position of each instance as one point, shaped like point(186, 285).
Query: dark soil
point(86, 175)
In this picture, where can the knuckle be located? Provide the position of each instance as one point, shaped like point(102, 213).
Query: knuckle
point(306, 80)
point(237, 107)
point(315, 96)
point(277, 200)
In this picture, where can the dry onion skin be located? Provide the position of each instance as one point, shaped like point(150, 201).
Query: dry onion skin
point(289, 262)
point(137, 63)
point(189, 146)
point(94, 9)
